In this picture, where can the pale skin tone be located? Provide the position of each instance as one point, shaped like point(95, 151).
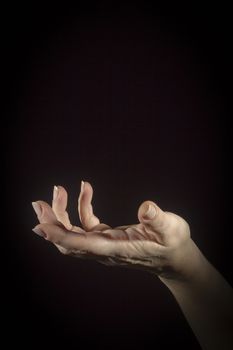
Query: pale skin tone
point(159, 243)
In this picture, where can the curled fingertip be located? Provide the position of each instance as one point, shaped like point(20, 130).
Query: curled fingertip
point(149, 213)
point(39, 232)
point(37, 207)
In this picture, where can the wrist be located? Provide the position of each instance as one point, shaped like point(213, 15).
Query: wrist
point(188, 266)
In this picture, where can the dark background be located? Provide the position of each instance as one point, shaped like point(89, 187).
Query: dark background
point(137, 102)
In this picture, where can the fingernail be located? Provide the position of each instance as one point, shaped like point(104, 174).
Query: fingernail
point(37, 208)
point(150, 213)
point(39, 232)
point(82, 186)
point(55, 192)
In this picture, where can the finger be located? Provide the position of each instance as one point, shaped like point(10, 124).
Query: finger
point(59, 205)
point(46, 215)
point(70, 241)
point(96, 244)
point(154, 220)
point(85, 209)
point(44, 212)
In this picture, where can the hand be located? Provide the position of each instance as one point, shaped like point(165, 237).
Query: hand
point(160, 243)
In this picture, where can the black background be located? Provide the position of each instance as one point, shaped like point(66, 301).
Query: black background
point(137, 102)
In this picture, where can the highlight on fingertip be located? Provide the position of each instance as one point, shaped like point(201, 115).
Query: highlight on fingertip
point(82, 186)
point(55, 192)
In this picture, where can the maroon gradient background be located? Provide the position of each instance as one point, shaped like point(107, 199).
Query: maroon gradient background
point(138, 104)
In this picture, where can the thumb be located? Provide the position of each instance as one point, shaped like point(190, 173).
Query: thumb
point(154, 219)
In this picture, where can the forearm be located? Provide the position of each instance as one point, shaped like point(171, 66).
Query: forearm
point(206, 300)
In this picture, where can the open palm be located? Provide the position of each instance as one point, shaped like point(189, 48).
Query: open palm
point(143, 245)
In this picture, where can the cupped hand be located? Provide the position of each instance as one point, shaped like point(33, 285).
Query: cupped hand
point(159, 243)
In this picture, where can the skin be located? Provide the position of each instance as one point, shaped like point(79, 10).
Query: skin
point(159, 243)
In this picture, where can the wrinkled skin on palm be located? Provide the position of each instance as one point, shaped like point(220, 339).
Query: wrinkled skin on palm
point(159, 243)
